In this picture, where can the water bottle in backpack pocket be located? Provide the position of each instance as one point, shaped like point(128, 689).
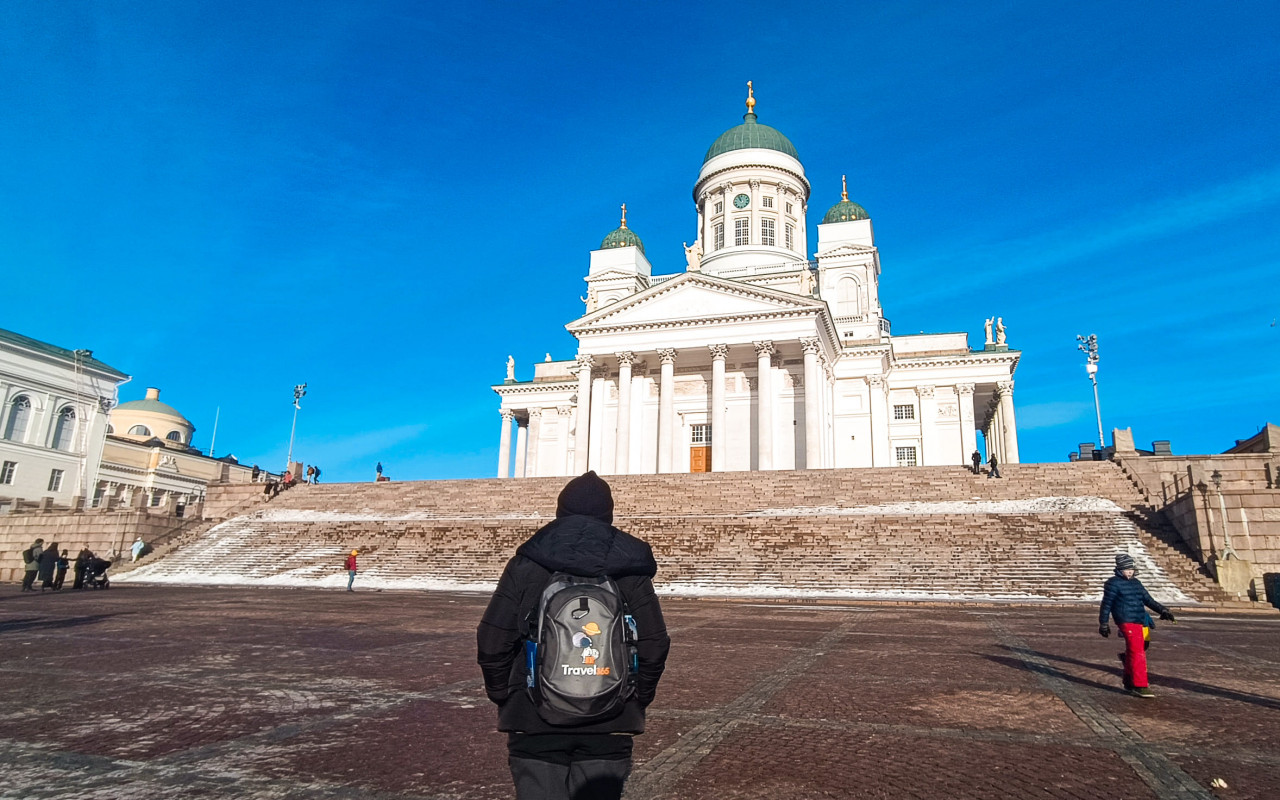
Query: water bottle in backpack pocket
point(580, 654)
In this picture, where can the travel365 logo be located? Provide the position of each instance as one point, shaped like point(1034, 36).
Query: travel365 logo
point(590, 654)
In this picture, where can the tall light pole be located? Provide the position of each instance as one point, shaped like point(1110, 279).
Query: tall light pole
point(1089, 344)
point(299, 392)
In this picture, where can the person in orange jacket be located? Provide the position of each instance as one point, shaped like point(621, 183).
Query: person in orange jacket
point(351, 569)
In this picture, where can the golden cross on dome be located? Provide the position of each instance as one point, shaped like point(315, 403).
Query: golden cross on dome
point(844, 189)
point(624, 215)
point(751, 99)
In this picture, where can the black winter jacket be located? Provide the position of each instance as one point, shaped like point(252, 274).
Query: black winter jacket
point(579, 545)
point(1125, 598)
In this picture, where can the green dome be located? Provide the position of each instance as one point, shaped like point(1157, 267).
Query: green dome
point(751, 134)
point(622, 237)
point(844, 211)
point(153, 406)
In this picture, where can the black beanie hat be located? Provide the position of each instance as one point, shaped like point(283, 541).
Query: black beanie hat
point(1125, 561)
point(586, 495)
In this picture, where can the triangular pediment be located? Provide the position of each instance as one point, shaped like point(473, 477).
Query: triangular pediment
point(847, 249)
point(611, 273)
point(694, 296)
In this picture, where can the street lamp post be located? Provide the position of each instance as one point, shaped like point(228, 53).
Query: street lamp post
point(1089, 344)
point(1227, 550)
point(299, 392)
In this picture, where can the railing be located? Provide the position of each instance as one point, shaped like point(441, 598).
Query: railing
point(762, 269)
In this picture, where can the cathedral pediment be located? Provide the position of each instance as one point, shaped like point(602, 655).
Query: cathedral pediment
point(847, 250)
point(693, 296)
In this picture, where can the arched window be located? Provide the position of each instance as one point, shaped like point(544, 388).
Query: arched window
point(139, 430)
point(174, 436)
point(15, 427)
point(64, 432)
point(847, 304)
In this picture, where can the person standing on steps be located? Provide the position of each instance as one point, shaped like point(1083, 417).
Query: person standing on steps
point(976, 458)
point(586, 757)
point(351, 569)
point(378, 469)
point(993, 466)
point(1125, 599)
point(315, 476)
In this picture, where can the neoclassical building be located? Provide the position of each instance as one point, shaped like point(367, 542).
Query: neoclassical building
point(756, 356)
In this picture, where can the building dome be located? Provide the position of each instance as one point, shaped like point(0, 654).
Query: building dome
point(751, 134)
point(846, 209)
point(623, 236)
point(149, 418)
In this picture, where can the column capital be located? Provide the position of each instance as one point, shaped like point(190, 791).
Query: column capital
point(755, 183)
point(667, 355)
point(585, 362)
point(811, 345)
point(964, 389)
point(764, 348)
point(1004, 387)
point(626, 358)
point(875, 380)
point(926, 390)
point(507, 414)
point(719, 352)
point(564, 411)
point(535, 412)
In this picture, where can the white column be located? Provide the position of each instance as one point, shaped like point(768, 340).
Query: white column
point(812, 404)
point(622, 450)
point(504, 444)
point(764, 404)
point(582, 437)
point(719, 435)
point(535, 434)
point(666, 408)
point(755, 237)
point(522, 444)
point(881, 455)
point(1009, 435)
point(968, 433)
point(928, 426)
point(565, 412)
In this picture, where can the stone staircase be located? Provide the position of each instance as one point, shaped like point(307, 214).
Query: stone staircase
point(1045, 531)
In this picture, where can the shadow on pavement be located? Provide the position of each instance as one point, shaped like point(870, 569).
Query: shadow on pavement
point(44, 623)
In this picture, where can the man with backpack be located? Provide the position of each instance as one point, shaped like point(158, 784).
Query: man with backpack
point(572, 646)
point(31, 563)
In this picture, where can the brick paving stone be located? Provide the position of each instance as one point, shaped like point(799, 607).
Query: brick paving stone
point(146, 692)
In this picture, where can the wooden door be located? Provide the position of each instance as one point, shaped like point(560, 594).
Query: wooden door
point(699, 459)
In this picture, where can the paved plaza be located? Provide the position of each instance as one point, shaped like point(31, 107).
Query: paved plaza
point(150, 692)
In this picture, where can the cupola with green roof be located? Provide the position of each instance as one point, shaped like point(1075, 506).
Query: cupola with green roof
point(751, 134)
point(623, 236)
point(845, 210)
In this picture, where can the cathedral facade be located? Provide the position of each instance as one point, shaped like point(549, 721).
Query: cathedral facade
point(756, 356)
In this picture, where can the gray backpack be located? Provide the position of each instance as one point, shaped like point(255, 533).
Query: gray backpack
point(580, 651)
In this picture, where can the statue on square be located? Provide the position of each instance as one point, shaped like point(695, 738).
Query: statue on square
point(987, 324)
point(511, 368)
point(999, 330)
point(693, 255)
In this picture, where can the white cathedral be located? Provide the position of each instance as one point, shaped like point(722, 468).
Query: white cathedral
point(754, 357)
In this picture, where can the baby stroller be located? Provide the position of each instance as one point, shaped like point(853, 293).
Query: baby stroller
point(95, 574)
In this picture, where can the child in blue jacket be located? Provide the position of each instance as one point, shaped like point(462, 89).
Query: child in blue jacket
point(1127, 600)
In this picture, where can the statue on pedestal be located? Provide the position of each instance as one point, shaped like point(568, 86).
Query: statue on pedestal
point(693, 255)
point(807, 282)
point(511, 368)
point(999, 330)
point(989, 322)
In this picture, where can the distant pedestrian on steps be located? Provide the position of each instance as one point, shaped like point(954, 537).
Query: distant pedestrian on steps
point(976, 458)
point(993, 467)
point(315, 476)
point(378, 469)
point(351, 569)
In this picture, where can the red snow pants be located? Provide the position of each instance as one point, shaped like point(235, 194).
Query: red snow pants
point(1135, 655)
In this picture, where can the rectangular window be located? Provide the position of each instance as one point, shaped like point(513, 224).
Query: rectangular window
point(906, 456)
point(98, 495)
point(700, 434)
point(719, 236)
point(767, 202)
point(156, 498)
point(55, 480)
point(741, 232)
point(791, 236)
point(904, 412)
point(789, 211)
point(6, 473)
point(766, 232)
point(720, 207)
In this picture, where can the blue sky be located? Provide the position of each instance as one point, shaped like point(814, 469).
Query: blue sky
point(385, 199)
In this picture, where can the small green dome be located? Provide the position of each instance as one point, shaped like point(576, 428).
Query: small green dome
point(844, 211)
point(622, 237)
point(751, 134)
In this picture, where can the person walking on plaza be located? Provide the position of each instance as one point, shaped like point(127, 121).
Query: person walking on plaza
point(993, 466)
point(61, 573)
point(351, 569)
point(31, 564)
point(1125, 599)
point(48, 565)
point(976, 458)
point(82, 563)
point(590, 758)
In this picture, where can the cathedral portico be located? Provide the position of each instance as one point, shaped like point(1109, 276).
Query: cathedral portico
point(754, 357)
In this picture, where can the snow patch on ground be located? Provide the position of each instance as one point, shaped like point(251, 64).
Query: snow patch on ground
point(1036, 505)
